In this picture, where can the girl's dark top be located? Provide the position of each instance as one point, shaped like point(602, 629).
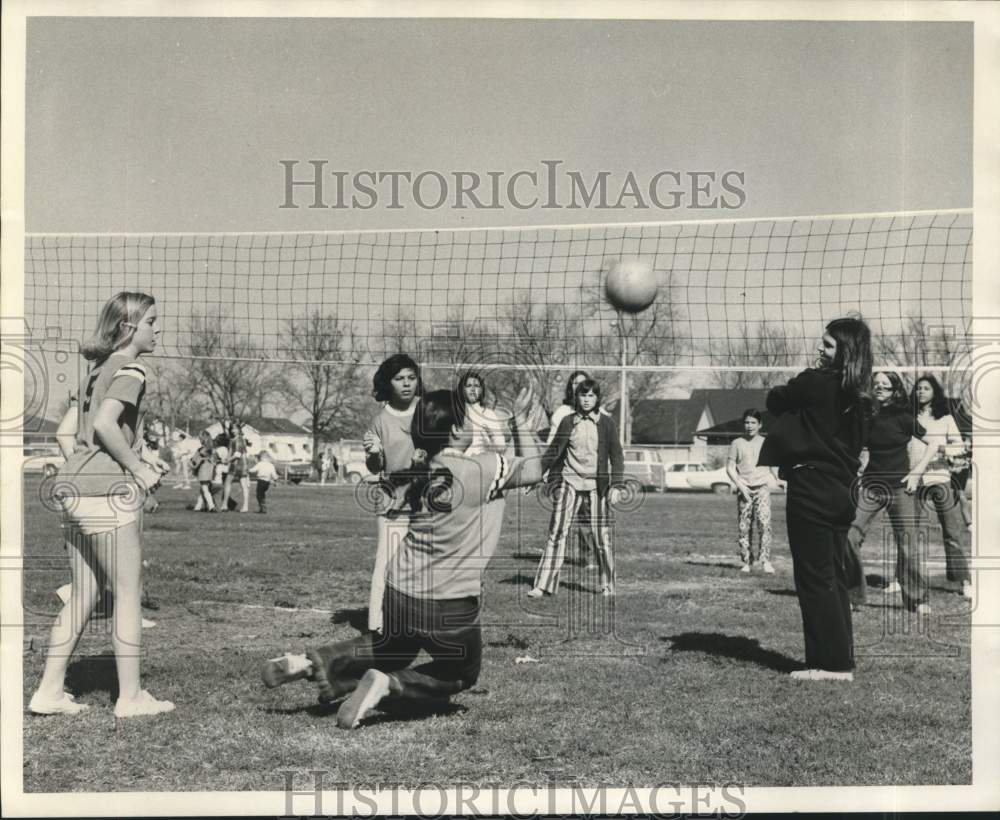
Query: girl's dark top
point(817, 425)
point(610, 459)
point(891, 431)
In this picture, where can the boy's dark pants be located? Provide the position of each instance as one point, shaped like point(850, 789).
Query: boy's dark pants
point(447, 630)
point(262, 488)
point(820, 511)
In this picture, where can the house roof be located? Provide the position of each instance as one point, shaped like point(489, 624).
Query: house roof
point(664, 421)
point(727, 406)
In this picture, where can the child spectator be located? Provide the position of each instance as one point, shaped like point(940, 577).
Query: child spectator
point(753, 493)
point(265, 473)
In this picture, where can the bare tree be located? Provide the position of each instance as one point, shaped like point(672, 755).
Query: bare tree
point(918, 342)
point(229, 371)
point(328, 382)
point(760, 344)
point(172, 396)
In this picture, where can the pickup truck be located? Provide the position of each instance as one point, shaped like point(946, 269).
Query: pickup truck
point(644, 466)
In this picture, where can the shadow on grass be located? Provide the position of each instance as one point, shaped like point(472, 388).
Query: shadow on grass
point(520, 578)
point(736, 647)
point(784, 593)
point(705, 562)
point(389, 711)
point(94, 673)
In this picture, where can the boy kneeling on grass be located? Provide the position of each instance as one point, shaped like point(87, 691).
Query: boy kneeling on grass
point(433, 583)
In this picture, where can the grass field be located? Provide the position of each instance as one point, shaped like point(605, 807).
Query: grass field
point(684, 680)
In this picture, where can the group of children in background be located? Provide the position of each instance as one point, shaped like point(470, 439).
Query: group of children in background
point(222, 462)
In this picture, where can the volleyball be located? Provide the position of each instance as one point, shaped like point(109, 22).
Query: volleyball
point(631, 285)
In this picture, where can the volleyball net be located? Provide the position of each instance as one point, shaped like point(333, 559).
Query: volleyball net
point(737, 294)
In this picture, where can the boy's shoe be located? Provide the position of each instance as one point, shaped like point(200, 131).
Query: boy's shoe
point(143, 705)
point(608, 591)
point(372, 688)
point(821, 674)
point(536, 592)
point(285, 669)
point(745, 568)
point(148, 624)
point(768, 569)
point(923, 610)
point(892, 588)
point(64, 706)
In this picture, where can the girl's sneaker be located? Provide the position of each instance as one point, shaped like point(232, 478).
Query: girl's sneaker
point(768, 569)
point(822, 674)
point(145, 704)
point(285, 669)
point(64, 706)
point(892, 589)
point(372, 688)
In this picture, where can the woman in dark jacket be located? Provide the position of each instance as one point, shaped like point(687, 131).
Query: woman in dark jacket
point(584, 460)
point(821, 424)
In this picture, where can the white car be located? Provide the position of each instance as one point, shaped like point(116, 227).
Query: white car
point(44, 459)
point(675, 476)
point(716, 481)
point(352, 459)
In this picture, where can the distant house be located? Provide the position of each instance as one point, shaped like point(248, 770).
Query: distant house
point(283, 439)
point(726, 409)
point(670, 425)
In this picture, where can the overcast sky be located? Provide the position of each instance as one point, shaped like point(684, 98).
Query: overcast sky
point(179, 125)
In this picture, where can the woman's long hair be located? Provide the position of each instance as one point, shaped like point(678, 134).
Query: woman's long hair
point(116, 324)
point(854, 360)
point(570, 395)
point(472, 374)
point(939, 401)
point(899, 399)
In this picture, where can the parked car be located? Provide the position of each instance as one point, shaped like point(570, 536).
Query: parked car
point(292, 470)
point(645, 467)
point(43, 458)
point(675, 476)
point(716, 481)
point(352, 460)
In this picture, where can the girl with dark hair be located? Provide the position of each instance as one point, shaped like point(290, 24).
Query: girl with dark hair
point(585, 537)
point(889, 483)
point(488, 425)
point(584, 460)
point(753, 493)
point(931, 407)
point(434, 581)
point(390, 452)
point(821, 424)
point(101, 491)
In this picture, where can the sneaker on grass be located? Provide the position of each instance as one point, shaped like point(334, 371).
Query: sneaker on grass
point(285, 669)
point(745, 568)
point(64, 706)
point(143, 705)
point(768, 569)
point(892, 588)
point(821, 674)
point(371, 689)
